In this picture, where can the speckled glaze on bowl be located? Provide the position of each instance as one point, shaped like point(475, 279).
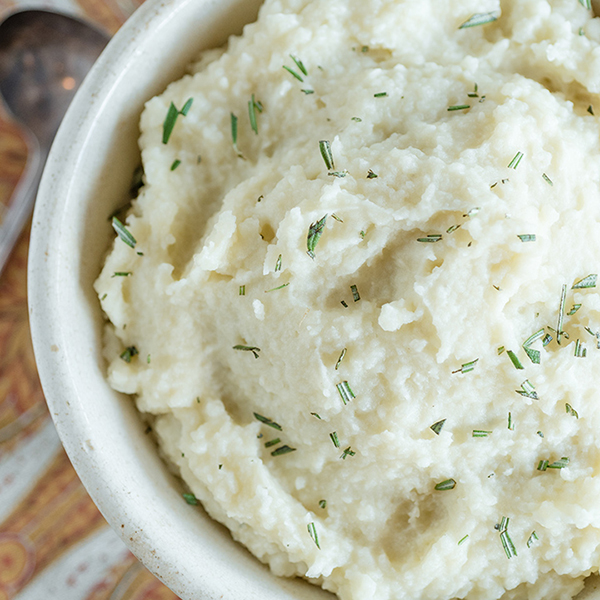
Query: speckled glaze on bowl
point(86, 178)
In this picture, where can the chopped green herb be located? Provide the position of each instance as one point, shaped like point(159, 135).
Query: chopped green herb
point(463, 540)
point(148, 358)
point(437, 427)
point(364, 49)
point(452, 229)
point(343, 173)
point(542, 465)
point(515, 361)
point(121, 274)
point(334, 438)
point(169, 122)
point(380, 95)
point(532, 538)
point(190, 499)
point(431, 238)
point(347, 452)
point(573, 310)
point(527, 237)
point(371, 175)
point(292, 72)
point(325, 148)
point(580, 351)
point(479, 19)
point(103, 297)
point(312, 531)
point(479, 433)
point(340, 359)
point(586, 4)
point(278, 264)
point(252, 114)
point(571, 411)
point(316, 415)
point(507, 543)
point(186, 107)
point(272, 443)
point(345, 392)
point(547, 179)
point(242, 290)
point(123, 233)
point(473, 212)
point(307, 92)
point(314, 235)
point(252, 349)
point(458, 107)
point(299, 64)
point(590, 109)
point(511, 423)
point(514, 163)
point(560, 464)
point(501, 350)
point(234, 135)
point(279, 287)
point(267, 421)
point(335, 217)
point(586, 283)
point(357, 119)
point(323, 503)
point(561, 314)
point(128, 353)
point(540, 434)
point(448, 484)
point(355, 294)
point(467, 367)
point(343, 303)
point(282, 450)
point(528, 390)
point(547, 339)
point(534, 355)
point(175, 164)
point(362, 234)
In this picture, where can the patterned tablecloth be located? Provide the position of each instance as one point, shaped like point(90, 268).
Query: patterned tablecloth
point(54, 543)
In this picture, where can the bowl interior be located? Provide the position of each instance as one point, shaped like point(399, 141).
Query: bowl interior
point(87, 177)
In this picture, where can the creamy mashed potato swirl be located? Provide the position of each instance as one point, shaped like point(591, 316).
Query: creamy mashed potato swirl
point(412, 411)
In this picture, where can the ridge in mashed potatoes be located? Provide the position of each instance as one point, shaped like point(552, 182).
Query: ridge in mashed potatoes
point(361, 300)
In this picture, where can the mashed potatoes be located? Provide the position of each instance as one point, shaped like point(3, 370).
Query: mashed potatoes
point(358, 291)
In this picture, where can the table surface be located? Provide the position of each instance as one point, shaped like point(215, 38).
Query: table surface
point(54, 543)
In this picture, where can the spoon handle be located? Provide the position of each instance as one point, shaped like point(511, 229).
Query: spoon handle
point(22, 200)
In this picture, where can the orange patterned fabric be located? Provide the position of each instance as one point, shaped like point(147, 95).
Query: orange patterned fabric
point(54, 542)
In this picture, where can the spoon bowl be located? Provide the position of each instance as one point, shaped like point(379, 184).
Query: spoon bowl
point(44, 57)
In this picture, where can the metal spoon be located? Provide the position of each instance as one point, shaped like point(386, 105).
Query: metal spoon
point(44, 57)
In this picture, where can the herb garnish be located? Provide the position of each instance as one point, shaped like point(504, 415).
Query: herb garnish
point(448, 484)
point(325, 148)
point(571, 411)
point(129, 353)
point(312, 531)
point(357, 119)
point(527, 237)
point(586, 283)
point(252, 349)
point(252, 107)
point(573, 310)
point(380, 95)
point(511, 423)
point(234, 135)
point(171, 118)
point(323, 503)
point(480, 19)
point(334, 438)
point(347, 452)
point(175, 164)
point(534, 355)
point(282, 450)
point(533, 537)
point(314, 235)
point(299, 64)
point(123, 233)
point(431, 238)
point(190, 499)
point(272, 443)
point(371, 175)
point(547, 179)
point(267, 421)
point(515, 361)
point(479, 433)
point(437, 427)
point(345, 392)
point(580, 351)
point(561, 314)
point(292, 72)
point(316, 416)
point(528, 390)
point(458, 107)
point(514, 163)
point(463, 540)
point(307, 92)
point(355, 294)
point(452, 229)
point(467, 367)
point(586, 4)
point(279, 287)
point(242, 290)
point(338, 173)
point(558, 464)
point(121, 274)
point(507, 543)
point(340, 359)
point(278, 264)
point(501, 350)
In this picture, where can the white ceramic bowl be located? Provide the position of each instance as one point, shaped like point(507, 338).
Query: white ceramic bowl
point(87, 177)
